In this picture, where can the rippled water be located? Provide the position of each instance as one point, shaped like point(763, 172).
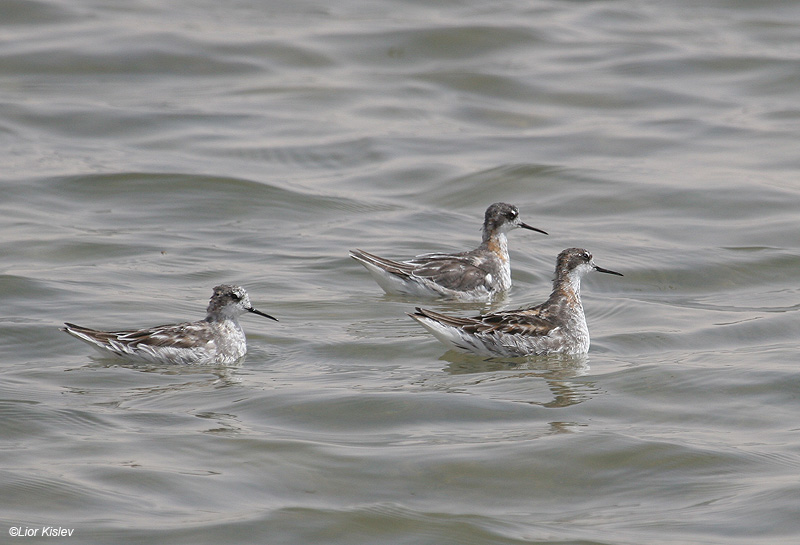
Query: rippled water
point(154, 150)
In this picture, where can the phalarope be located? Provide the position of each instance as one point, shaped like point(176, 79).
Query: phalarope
point(556, 326)
point(218, 339)
point(475, 275)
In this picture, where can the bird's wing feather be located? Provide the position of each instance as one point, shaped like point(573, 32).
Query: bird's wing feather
point(186, 335)
point(391, 266)
point(526, 322)
point(459, 272)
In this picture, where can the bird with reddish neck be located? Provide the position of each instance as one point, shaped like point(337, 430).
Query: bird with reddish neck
point(476, 275)
point(557, 326)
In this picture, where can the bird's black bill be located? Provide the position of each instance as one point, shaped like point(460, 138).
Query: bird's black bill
point(526, 226)
point(601, 269)
point(264, 314)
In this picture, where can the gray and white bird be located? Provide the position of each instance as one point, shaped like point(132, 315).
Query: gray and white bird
point(557, 326)
point(217, 339)
point(475, 275)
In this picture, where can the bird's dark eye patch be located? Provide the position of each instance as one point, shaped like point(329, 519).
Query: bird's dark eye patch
point(235, 296)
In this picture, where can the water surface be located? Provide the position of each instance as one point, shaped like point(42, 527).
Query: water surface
point(152, 152)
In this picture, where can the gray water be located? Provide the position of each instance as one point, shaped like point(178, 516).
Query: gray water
point(152, 150)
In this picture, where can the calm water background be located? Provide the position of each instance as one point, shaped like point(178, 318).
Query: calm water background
point(152, 150)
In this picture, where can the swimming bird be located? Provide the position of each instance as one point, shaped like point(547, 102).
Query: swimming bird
point(556, 326)
point(218, 339)
point(475, 275)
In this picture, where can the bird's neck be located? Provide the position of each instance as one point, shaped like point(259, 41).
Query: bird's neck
point(567, 288)
point(219, 317)
point(498, 244)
